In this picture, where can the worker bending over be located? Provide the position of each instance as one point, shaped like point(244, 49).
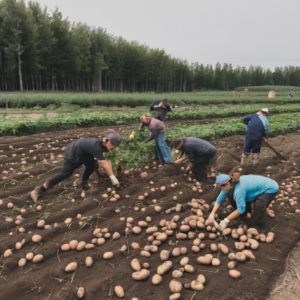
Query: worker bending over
point(83, 152)
point(199, 153)
point(158, 133)
point(257, 129)
point(247, 194)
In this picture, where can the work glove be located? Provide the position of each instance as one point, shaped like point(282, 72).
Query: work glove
point(210, 220)
point(223, 224)
point(114, 180)
point(265, 139)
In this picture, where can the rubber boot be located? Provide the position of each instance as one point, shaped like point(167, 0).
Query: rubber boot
point(255, 161)
point(243, 161)
point(39, 190)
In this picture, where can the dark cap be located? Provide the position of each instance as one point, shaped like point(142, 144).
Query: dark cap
point(165, 102)
point(115, 139)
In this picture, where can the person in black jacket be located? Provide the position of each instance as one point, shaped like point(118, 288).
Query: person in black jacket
point(160, 108)
point(83, 152)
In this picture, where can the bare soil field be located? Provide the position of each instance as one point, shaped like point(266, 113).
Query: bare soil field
point(48, 278)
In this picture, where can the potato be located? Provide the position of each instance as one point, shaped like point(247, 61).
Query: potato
point(101, 241)
point(164, 255)
point(68, 221)
point(212, 236)
point(240, 257)
point(162, 237)
point(145, 253)
point(143, 224)
point(201, 278)
point(151, 230)
point(240, 231)
point(80, 292)
point(175, 296)
point(223, 249)
point(183, 250)
point(189, 269)
point(253, 231)
point(119, 291)
point(232, 264)
point(175, 286)
point(214, 247)
point(184, 261)
point(201, 236)
point(204, 260)
point(181, 236)
point(262, 238)
point(70, 267)
point(215, 262)
point(135, 265)
point(80, 246)
point(38, 258)
point(137, 229)
point(146, 265)
point(269, 239)
point(135, 246)
point(29, 256)
point(185, 228)
point(41, 224)
point(177, 274)
point(249, 255)
point(157, 279)
point(176, 251)
point(226, 231)
point(196, 249)
point(36, 238)
point(234, 274)
point(22, 262)
point(196, 285)
point(254, 244)
point(239, 246)
point(108, 255)
point(116, 236)
point(141, 275)
point(164, 268)
point(235, 235)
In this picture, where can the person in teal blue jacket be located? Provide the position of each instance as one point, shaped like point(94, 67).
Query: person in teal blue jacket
point(245, 193)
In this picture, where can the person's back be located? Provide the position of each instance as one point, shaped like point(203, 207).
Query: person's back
point(196, 147)
point(256, 126)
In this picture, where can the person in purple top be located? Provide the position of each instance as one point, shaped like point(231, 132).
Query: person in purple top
point(158, 133)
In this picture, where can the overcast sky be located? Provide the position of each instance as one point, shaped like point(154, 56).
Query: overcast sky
point(257, 32)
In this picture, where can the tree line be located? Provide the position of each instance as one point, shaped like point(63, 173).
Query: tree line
point(41, 51)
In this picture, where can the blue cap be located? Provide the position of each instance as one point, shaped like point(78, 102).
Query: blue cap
point(223, 178)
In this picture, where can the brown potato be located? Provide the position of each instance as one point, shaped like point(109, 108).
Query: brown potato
point(141, 275)
point(175, 296)
point(151, 230)
point(73, 244)
point(189, 269)
point(240, 257)
point(214, 247)
point(137, 229)
point(226, 231)
point(157, 279)
point(162, 237)
point(135, 246)
point(239, 246)
point(22, 262)
point(164, 255)
point(201, 278)
point(231, 256)
point(176, 251)
point(269, 239)
point(29, 256)
point(204, 260)
point(119, 291)
point(175, 286)
point(70, 267)
point(108, 255)
point(223, 249)
point(235, 235)
point(254, 244)
point(185, 228)
point(181, 236)
point(80, 246)
point(164, 268)
point(253, 231)
point(234, 274)
point(177, 274)
point(212, 236)
point(89, 261)
point(183, 250)
point(145, 253)
point(232, 264)
point(36, 238)
point(80, 292)
point(249, 255)
point(196, 285)
point(184, 261)
point(135, 265)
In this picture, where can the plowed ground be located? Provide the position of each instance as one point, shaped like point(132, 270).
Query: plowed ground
point(48, 280)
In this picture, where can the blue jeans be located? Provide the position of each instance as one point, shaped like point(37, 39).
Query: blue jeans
point(163, 151)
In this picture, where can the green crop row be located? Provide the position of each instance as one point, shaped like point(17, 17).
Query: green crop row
point(134, 153)
point(52, 101)
point(24, 125)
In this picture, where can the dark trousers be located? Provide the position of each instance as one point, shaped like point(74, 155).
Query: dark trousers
point(252, 145)
point(200, 166)
point(260, 203)
point(69, 167)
